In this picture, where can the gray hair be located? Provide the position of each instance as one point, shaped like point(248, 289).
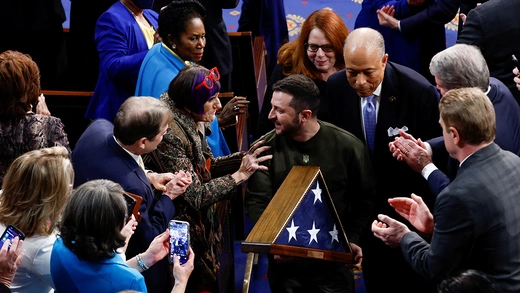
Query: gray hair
point(461, 66)
point(366, 38)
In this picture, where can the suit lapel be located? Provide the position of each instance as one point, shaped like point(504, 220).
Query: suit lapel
point(388, 109)
point(129, 161)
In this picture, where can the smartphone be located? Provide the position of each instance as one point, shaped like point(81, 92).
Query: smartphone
point(133, 203)
point(10, 233)
point(179, 240)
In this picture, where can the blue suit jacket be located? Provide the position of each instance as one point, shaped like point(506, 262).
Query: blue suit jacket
point(476, 223)
point(121, 47)
point(400, 50)
point(72, 275)
point(507, 137)
point(98, 156)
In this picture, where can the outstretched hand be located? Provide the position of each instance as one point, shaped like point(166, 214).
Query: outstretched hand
point(389, 230)
point(236, 106)
point(251, 162)
point(385, 15)
point(415, 211)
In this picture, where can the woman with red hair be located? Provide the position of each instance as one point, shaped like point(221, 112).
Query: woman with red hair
point(316, 53)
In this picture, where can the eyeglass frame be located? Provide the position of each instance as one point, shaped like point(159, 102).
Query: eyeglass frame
point(213, 76)
point(324, 48)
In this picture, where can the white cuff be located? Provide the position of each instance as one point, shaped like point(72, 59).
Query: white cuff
point(427, 170)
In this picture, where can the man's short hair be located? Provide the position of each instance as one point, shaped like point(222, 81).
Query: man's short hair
point(306, 95)
point(140, 117)
point(468, 281)
point(469, 111)
point(461, 66)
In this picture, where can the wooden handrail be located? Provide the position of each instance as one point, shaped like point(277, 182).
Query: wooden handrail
point(67, 93)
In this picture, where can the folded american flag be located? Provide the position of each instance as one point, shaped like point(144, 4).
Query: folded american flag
point(312, 224)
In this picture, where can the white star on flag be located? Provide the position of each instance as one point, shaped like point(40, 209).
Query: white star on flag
point(292, 231)
point(317, 193)
point(314, 233)
point(334, 234)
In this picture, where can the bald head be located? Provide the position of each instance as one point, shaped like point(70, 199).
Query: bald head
point(365, 39)
point(365, 60)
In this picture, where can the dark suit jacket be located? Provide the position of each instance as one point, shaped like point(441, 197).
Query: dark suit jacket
point(4, 289)
point(98, 156)
point(121, 47)
point(476, 223)
point(494, 27)
point(407, 99)
point(436, 12)
point(507, 136)
point(412, 51)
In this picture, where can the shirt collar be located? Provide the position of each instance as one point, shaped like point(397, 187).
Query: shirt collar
point(134, 156)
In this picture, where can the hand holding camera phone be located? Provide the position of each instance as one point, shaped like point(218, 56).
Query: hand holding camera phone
point(10, 233)
point(179, 240)
point(133, 203)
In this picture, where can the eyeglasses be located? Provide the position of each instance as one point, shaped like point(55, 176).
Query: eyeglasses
point(209, 80)
point(315, 48)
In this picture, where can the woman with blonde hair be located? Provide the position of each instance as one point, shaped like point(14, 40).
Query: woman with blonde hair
point(34, 193)
point(316, 53)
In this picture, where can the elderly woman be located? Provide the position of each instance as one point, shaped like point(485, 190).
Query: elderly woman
point(183, 37)
point(123, 35)
point(21, 129)
point(34, 193)
point(85, 257)
point(193, 98)
point(316, 53)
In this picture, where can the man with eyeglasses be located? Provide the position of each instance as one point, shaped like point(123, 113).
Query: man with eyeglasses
point(113, 152)
point(371, 98)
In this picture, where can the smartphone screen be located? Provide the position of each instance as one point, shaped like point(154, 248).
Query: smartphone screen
point(179, 240)
point(10, 233)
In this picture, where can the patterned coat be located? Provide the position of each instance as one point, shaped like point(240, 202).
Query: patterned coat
point(27, 133)
point(185, 148)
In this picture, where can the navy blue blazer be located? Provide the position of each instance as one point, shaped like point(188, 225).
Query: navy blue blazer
point(507, 136)
point(414, 52)
point(98, 156)
point(476, 223)
point(121, 47)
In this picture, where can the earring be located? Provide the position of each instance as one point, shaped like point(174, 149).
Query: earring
point(174, 47)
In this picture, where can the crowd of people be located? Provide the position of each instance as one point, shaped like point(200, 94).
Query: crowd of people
point(430, 208)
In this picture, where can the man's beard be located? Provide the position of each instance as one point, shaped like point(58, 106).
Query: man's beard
point(293, 128)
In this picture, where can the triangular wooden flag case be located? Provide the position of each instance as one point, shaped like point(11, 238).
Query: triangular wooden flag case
point(301, 221)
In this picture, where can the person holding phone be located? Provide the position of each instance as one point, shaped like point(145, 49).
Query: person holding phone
point(10, 259)
point(34, 192)
point(90, 236)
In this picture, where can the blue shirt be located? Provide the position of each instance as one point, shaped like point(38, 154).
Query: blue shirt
point(71, 274)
